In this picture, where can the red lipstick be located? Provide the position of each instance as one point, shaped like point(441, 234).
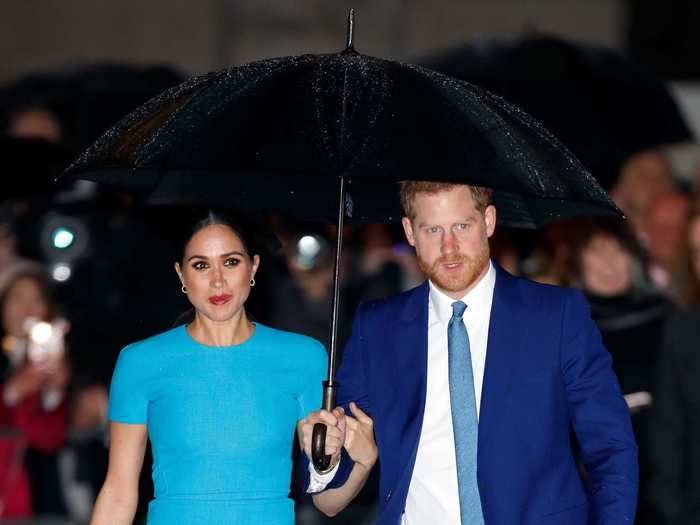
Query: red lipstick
point(218, 300)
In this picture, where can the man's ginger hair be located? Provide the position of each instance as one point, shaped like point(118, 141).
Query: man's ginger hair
point(409, 189)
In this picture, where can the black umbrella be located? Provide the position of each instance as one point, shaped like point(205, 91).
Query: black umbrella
point(328, 137)
point(602, 105)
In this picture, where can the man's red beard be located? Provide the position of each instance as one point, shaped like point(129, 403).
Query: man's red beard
point(456, 281)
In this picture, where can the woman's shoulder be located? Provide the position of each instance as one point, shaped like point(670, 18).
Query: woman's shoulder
point(150, 346)
point(302, 356)
point(291, 340)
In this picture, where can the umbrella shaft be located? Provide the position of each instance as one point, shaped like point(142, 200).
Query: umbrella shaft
point(336, 285)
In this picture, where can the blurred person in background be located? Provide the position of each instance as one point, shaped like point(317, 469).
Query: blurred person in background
point(32, 107)
point(550, 259)
point(33, 390)
point(8, 244)
point(305, 298)
point(675, 427)
point(505, 251)
point(663, 236)
point(76, 103)
point(34, 123)
point(630, 314)
point(83, 460)
point(692, 253)
point(372, 266)
point(643, 177)
point(385, 265)
point(695, 188)
point(657, 213)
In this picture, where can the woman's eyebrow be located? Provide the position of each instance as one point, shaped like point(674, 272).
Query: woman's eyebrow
point(227, 254)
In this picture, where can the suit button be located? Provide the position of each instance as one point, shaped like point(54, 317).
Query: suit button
point(388, 495)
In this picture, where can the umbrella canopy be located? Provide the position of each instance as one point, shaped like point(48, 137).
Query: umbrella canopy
point(278, 134)
point(602, 105)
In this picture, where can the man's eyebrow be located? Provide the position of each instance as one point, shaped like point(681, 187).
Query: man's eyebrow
point(466, 219)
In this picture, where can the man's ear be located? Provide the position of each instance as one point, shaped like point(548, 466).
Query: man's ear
point(408, 230)
point(490, 219)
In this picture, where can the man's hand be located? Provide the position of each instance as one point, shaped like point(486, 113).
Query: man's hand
point(359, 439)
point(335, 432)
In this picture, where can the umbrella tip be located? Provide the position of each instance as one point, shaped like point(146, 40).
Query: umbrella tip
point(349, 44)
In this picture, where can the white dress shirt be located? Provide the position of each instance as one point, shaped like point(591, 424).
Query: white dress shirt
point(432, 495)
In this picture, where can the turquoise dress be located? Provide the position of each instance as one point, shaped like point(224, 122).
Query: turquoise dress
point(221, 421)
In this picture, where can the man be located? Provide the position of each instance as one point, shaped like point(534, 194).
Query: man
point(475, 381)
point(663, 235)
point(642, 177)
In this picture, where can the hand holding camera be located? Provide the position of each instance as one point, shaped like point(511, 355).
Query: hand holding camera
point(45, 368)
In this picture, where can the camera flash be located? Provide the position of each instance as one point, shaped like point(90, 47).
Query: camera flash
point(41, 333)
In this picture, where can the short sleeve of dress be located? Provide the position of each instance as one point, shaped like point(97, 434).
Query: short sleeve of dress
point(128, 393)
point(315, 371)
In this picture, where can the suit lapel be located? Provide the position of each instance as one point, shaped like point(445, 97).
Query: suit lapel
point(504, 339)
point(411, 351)
point(411, 340)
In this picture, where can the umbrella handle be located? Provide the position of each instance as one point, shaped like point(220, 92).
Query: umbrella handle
point(320, 460)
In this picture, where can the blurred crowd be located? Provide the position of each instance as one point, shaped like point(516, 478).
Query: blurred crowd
point(85, 270)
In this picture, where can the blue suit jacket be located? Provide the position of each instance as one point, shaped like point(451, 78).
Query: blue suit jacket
point(547, 374)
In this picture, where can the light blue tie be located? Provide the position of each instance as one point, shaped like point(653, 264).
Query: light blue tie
point(464, 420)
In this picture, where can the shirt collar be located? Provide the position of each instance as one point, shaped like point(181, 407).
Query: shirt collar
point(477, 299)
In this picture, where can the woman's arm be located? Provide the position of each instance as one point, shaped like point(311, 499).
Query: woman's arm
point(361, 447)
point(116, 503)
point(44, 428)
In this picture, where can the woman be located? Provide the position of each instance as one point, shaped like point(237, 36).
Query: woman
point(626, 307)
point(630, 315)
point(675, 424)
point(219, 399)
point(33, 393)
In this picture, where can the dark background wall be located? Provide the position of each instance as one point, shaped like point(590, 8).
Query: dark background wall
point(665, 36)
point(210, 34)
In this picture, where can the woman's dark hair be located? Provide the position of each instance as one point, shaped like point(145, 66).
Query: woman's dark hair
point(609, 227)
point(212, 218)
point(622, 233)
